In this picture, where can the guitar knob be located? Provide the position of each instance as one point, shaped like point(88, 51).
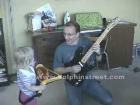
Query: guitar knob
point(77, 83)
point(70, 79)
point(79, 80)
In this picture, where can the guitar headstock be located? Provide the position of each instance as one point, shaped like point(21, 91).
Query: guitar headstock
point(113, 23)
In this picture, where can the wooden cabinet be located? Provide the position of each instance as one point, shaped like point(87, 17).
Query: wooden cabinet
point(119, 46)
point(44, 45)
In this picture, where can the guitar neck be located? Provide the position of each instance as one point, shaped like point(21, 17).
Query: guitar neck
point(91, 50)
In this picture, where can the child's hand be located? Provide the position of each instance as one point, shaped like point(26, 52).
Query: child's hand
point(40, 76)
point(42, 87)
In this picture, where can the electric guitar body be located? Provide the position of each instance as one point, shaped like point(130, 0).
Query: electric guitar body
point(76, 79)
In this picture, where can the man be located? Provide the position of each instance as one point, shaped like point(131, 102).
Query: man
point(65, 53)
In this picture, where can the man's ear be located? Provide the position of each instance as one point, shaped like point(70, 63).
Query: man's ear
point(78, 33)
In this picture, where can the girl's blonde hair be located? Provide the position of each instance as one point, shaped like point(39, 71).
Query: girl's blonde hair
point(24, 56)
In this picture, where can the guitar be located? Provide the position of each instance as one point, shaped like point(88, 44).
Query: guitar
point(46, 75)
point(76, 79)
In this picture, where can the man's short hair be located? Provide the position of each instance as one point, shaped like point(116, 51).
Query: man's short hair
point(73, 23)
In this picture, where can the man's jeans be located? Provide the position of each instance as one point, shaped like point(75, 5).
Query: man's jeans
point(91, 87)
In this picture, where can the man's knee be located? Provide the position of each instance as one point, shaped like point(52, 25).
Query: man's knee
point(108, 101)
point(75, 102)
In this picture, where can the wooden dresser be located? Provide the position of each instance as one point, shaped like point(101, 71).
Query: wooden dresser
point(44, 45)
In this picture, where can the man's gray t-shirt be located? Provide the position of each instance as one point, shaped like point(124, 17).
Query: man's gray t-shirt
point(65, 53)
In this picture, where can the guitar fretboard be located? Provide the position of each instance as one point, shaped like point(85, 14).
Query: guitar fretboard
point(91, 50)
point(98, 41)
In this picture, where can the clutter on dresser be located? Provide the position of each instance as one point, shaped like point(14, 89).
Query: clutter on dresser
point(43, 19)
point(33, 21)
point(66, 17)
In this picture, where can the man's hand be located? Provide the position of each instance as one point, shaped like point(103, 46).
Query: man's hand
point(76, 68)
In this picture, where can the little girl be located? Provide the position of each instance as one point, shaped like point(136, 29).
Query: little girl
point(26, 77)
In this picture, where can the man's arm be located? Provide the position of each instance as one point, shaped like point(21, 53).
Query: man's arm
point(71, 69)
point(63, 70)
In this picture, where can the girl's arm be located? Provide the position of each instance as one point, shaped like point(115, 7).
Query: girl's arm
point(26, 81)
point(36, 88)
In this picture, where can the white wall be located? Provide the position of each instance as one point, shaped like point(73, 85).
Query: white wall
point(125, 9)
point(0, 13)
